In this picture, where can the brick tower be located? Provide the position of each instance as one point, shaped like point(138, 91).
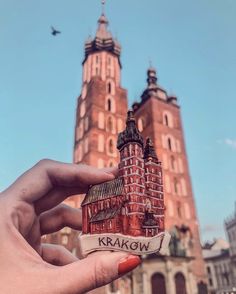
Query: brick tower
point(158, 115)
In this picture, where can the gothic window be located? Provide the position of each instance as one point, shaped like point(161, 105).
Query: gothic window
point(158, 284)
point(97, 71)
point(180, 286)
point(170, 208)
point(168, 119)
point(84, 91)
point(101, 120)
point(111, 146)
point(109, 60)
point(176, 186)
point(110, 125)
point(181, 168)
point(86, 123)
point(179, 211)
point(183, 186)
point(109, 87)
point(109, 104)
point(82, 109)
point(167, 184)
point(187, 211)
point(97, 59)
point(111, 163)
point(86, 145)
point(173, 163)
point(100, 143)
point(119, 125)
point(169, 144)
point(141, 124)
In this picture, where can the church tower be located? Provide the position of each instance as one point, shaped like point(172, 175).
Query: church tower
point(158, 116)
point(102, 105)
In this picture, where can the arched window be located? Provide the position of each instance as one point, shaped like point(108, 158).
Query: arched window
point(176, 186)
point(109, 104)
point(109, 124)
point(168, 119)
point(111, 146)
point(141, 124)
point(111, 163)
point(100, 143)
point(169, 143)
point(173, 163)
point(166, 122)
point(101, 120)
point(180, 286)
point(158, 284)
point(109, 87)
point(179, 210)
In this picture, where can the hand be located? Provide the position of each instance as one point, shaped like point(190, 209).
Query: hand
point(30, 208)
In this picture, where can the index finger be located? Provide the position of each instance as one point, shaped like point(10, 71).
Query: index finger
point(49, 174)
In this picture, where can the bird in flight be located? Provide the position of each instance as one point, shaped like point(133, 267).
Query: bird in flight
point(54, 31)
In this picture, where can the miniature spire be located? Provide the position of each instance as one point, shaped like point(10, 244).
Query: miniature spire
point(131, 133)
point(149, 150)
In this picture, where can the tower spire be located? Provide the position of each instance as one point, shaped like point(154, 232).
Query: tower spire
point(103, 6)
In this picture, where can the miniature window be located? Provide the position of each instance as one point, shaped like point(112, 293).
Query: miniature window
point(97, 71)
point(97, 58)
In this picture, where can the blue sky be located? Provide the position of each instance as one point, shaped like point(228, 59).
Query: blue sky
point(191, 43)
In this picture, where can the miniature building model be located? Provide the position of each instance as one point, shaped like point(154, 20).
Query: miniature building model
point(133, 203)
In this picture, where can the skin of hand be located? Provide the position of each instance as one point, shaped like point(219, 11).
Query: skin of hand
point(32, 207)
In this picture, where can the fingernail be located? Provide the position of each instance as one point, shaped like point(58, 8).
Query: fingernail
point(130, 263)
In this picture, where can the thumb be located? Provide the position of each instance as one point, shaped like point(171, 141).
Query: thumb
point(95, 271)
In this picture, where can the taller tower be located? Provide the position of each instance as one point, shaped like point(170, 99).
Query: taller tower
point(102, 105)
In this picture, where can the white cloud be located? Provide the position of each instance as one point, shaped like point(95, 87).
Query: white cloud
point(230, 142)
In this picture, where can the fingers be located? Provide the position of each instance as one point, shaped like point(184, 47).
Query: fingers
point(57, 255)
point(59, 217)
point(96, 271)
point(48, 175)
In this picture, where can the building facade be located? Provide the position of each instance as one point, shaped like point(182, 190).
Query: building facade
point(218, 267)
point(230, 227)
point(100, 116)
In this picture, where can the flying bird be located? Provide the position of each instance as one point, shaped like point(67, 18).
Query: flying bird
point(54, 31)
